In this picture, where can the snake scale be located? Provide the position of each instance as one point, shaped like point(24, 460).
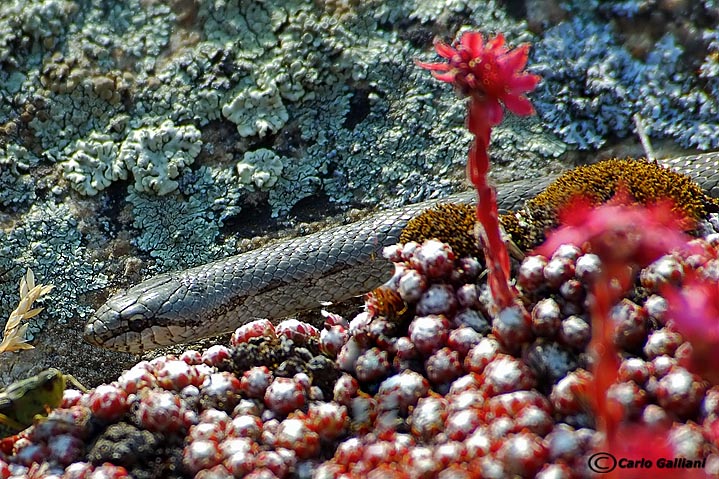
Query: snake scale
point(282, 278)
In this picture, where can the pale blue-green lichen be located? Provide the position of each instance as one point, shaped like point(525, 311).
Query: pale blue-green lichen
point(260, 169)
point(16, 183)
point(182, 228)
point(69, 116)
point(387, 119)
point(421, 10)
point(85, 82)
point(269, 68)
point(156, 155)
point(256, 109)
point(192, 87)
point(247, 28)
point(94, 164)
point(27, 28)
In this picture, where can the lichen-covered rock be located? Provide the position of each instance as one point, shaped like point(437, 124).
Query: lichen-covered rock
point(593, 85)
point(157, 155)
point(249, 27)
point(50, 240)
point(29, 25)
point(16, 182)
point(260, 169)
point(94, 164)
point(192, 216)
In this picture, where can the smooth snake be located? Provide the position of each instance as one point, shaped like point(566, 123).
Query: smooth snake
point(288, 276)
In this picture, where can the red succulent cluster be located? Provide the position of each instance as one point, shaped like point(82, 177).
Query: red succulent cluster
point(626, 237)
point(644, 232)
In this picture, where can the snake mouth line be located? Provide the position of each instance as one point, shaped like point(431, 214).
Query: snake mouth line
point(138, 342)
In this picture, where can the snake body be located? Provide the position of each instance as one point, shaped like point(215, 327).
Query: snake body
point(280, 279)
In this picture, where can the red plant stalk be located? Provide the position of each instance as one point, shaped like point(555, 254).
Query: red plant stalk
point(495, 250)
point(606, 364)
point(491, 75)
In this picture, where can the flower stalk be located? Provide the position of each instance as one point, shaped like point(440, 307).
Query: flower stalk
point(491, 75)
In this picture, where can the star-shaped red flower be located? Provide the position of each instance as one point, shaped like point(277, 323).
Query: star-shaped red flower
point(489, 72)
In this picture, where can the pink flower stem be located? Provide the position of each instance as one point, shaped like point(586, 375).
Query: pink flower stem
point(606, 366)
point(495, 250)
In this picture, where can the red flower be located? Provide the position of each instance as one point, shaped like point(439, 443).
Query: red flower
point(488, 72)
point(694, 310)
point(620, 232)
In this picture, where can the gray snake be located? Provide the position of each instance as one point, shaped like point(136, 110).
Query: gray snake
point(280, 279)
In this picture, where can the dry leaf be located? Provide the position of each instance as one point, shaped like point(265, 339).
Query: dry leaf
point(14, 335)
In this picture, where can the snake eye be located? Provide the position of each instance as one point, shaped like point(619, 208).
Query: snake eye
point(137, 322)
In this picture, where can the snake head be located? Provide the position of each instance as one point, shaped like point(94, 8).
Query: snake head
point(130, 321)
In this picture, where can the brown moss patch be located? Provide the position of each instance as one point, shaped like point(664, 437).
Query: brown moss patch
point(647, 182)
point(451, 223)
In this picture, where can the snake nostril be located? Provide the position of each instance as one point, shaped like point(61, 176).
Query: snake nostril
point(91, 333)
